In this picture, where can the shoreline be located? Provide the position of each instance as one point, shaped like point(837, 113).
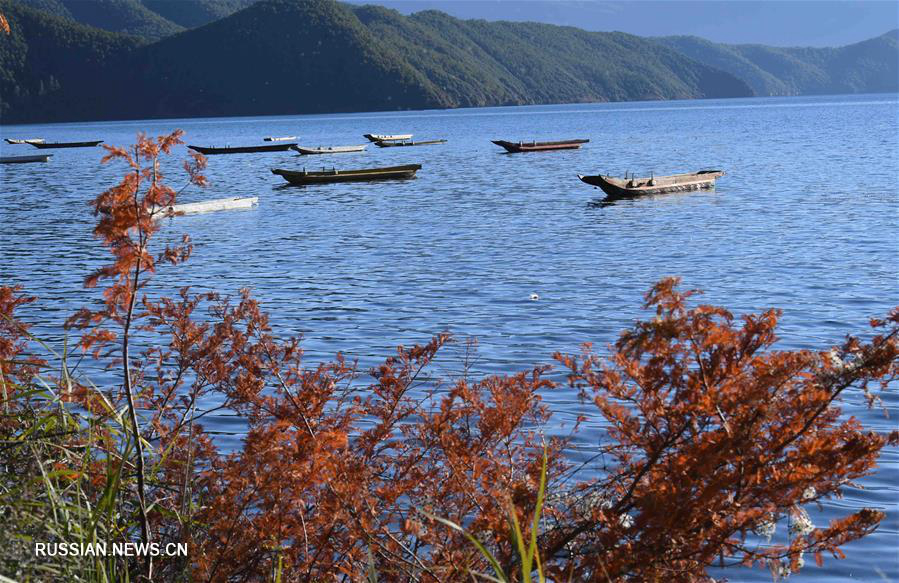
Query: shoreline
point(430, 112)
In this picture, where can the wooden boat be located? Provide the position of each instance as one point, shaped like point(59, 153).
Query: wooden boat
point(386, 137)
point(31, 141)
point(49, 145)
point(303, 177)
point(220, 204)
point(330, 150)
point(208, 150)
point(540, 146)
point(24, 159)
point(635, 186)
point(385, 144)
point(279, 139)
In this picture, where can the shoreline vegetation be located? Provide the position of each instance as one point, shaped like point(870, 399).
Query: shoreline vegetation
point(288, 57)
point(717, 444)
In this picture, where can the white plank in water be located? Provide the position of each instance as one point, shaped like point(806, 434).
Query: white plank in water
point(221, 204)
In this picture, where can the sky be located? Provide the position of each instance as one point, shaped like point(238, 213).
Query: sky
point(817, 23)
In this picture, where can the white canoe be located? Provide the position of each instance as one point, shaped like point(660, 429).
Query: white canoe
point(279, 139)
point(221, 204)
point(31, 141)
point(387, 137)
point(330, 149)
point(25, 159)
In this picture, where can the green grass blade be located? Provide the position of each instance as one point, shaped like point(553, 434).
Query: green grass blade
point(494, 564)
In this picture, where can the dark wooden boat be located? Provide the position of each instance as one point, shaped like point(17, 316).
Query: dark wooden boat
point(385, 144)
point(24, 159)
point(635, 186)
point(540, 146)
point(30, 141)
point(49, 145)
point(303, 177)
point(208, 151)
point(386, 137)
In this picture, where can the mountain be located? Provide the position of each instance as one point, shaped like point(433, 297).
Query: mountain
point(866, 67)
point(817, 23)
point(47, 60)
point(276, 56)
point(476, 63)
point(194, 13)
point(316, 56)
point(124, 16)
point(306, 56)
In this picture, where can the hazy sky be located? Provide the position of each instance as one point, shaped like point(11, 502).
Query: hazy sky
point(773, 22)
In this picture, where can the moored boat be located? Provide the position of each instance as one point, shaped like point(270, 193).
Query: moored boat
point(635, 186)
point(540, 146)
point(279, 139)
point(303, 177)
point(386, 137)
point(24, 159)
point(330, 149)
point(49, 145)
point(29, 141)
point(386, 144)
point(209, 150)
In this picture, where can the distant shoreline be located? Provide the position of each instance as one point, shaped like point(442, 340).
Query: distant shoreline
point(381, 113)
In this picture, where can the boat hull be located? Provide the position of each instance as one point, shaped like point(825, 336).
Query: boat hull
point(616, 188)
point(24, 159)
point(386, 144)
point(31, 141)
point(209, 151)
point(52, 145)
point(386, 137)
point(332, 150)
point(516, 147)
point(303, 178)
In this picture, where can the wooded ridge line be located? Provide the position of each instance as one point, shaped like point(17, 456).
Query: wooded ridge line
point(159, 58)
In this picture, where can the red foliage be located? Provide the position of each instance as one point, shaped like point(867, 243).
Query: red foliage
point(17, 364)
point(713, 435)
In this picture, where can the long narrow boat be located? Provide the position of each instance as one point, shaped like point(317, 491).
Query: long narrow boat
point(208, 151)
point(279, 139)
point(208, 206)
point(540, 146)
point(330, 149)
point(303, 177)
point(386, 137)
point(49, 145)
point(24, 159)
point(30, 141)
point(635, 186)
point(384, 144)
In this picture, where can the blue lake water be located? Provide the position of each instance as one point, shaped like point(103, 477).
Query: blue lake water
point(805, 220)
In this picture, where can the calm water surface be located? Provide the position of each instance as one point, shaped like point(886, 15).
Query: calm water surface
point(805, 220)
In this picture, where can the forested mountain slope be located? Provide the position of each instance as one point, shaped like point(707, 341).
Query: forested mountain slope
point(46, 61)
point(866, 67)
point(309, 56)
point(476, 62)
point(124, 16)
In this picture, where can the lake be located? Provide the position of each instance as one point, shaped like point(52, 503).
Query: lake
point(805, 220)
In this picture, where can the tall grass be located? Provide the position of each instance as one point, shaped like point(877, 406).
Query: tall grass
point(528, 554)
point(66, 479)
